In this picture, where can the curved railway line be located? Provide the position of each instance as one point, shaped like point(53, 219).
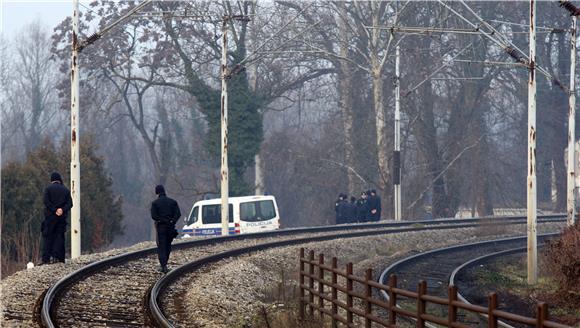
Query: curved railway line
point(436, 266)
point(439, 268)
point(458, 275)
point(163, 319)
point(113, 292)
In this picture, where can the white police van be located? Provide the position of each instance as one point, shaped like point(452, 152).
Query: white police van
point(247, 214)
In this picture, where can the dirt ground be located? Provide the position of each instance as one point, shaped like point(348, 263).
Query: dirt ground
point(508, 278)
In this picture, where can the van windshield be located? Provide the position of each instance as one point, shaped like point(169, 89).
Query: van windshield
point(211, 214)
point(193, 217)
point(257, 211)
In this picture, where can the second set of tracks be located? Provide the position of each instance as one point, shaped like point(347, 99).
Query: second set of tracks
point(124, 291)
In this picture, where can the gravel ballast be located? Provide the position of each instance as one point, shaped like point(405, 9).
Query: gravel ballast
point(230, 292)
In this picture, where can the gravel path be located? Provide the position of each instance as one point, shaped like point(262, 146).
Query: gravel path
point(230, 293)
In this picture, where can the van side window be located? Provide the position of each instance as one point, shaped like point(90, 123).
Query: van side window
point(194, 215)
point(212, 214)
point(257, 211)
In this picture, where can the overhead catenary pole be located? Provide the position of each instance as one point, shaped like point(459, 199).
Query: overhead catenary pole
point(531, 181)
point(397, 151)
point(75, 169)
point(224, 134)
point(75, 166)
point(570, 199)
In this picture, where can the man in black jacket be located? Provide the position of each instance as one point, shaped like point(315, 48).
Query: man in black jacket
point(374, 202)
point(57, 204)
point(165, 212)
point(351, 211)
point(362, 208)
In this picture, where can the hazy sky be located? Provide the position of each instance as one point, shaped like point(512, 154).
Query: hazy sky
point(15, 14)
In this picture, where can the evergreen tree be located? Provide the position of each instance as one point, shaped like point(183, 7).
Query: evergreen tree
point(22, 203)
point(245, 132)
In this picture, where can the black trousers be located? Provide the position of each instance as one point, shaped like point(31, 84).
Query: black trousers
point(165, 234)
point(53, 229)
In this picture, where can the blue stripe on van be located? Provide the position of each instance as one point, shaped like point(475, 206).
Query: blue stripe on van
point(210, 231)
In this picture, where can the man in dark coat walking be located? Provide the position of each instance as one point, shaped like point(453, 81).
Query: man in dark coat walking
point(57, 204)
point(165, 212)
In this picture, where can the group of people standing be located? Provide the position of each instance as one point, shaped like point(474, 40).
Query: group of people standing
point(58, 202)
point(365, 209)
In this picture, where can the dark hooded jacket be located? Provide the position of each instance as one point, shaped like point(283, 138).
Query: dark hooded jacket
point(374, 203)
point(165, 210)
point(56, 196)
point(362, 210)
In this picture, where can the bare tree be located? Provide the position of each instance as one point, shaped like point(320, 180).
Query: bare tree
point(29, 107)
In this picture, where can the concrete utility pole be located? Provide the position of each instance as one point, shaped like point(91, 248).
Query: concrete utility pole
point(259, 179)
point(224, 128)
point(226, 74)
point(397, 151)
point(75, 165)
point(531, 185)
point(570, 204)
point(75, 168)
point(571, 177)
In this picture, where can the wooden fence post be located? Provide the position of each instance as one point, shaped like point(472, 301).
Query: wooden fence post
point(451, 309)
point(421, 307)
point(301, 300)
point(349, 303)
point(334, 292)
point(421, 290)
point(321, 285)
point(311, 283)
point(542, 314)
point(368, 294)
point(392, 300)
point(492, 305)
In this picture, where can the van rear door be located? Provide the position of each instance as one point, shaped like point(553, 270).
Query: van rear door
point(259, 215)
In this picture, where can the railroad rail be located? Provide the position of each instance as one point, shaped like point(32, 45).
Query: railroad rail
point(162, 320)
point(343, 297)
point(454, 280)
point(110, 306)
point(435, 267)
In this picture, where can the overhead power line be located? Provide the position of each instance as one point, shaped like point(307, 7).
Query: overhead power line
point(502, 41)
point(574, 11)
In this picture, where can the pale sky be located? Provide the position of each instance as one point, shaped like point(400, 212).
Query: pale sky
point(15, 14)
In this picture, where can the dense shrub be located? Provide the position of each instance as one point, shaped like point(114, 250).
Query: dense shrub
point(22, 206)
point(562, 258)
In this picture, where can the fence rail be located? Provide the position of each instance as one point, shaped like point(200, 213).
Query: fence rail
point(322, 294)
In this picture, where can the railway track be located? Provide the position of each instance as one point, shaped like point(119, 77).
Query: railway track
point(113, 292)
point(459, 275)
point(167, 317)
point(439, 267)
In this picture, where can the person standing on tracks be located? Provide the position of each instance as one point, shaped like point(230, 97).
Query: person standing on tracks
point(165, 212)
point(57, 204)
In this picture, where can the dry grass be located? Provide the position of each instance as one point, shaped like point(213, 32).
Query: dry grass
point(282, 308)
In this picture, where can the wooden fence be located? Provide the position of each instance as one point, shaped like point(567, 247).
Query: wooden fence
point(321, 296)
